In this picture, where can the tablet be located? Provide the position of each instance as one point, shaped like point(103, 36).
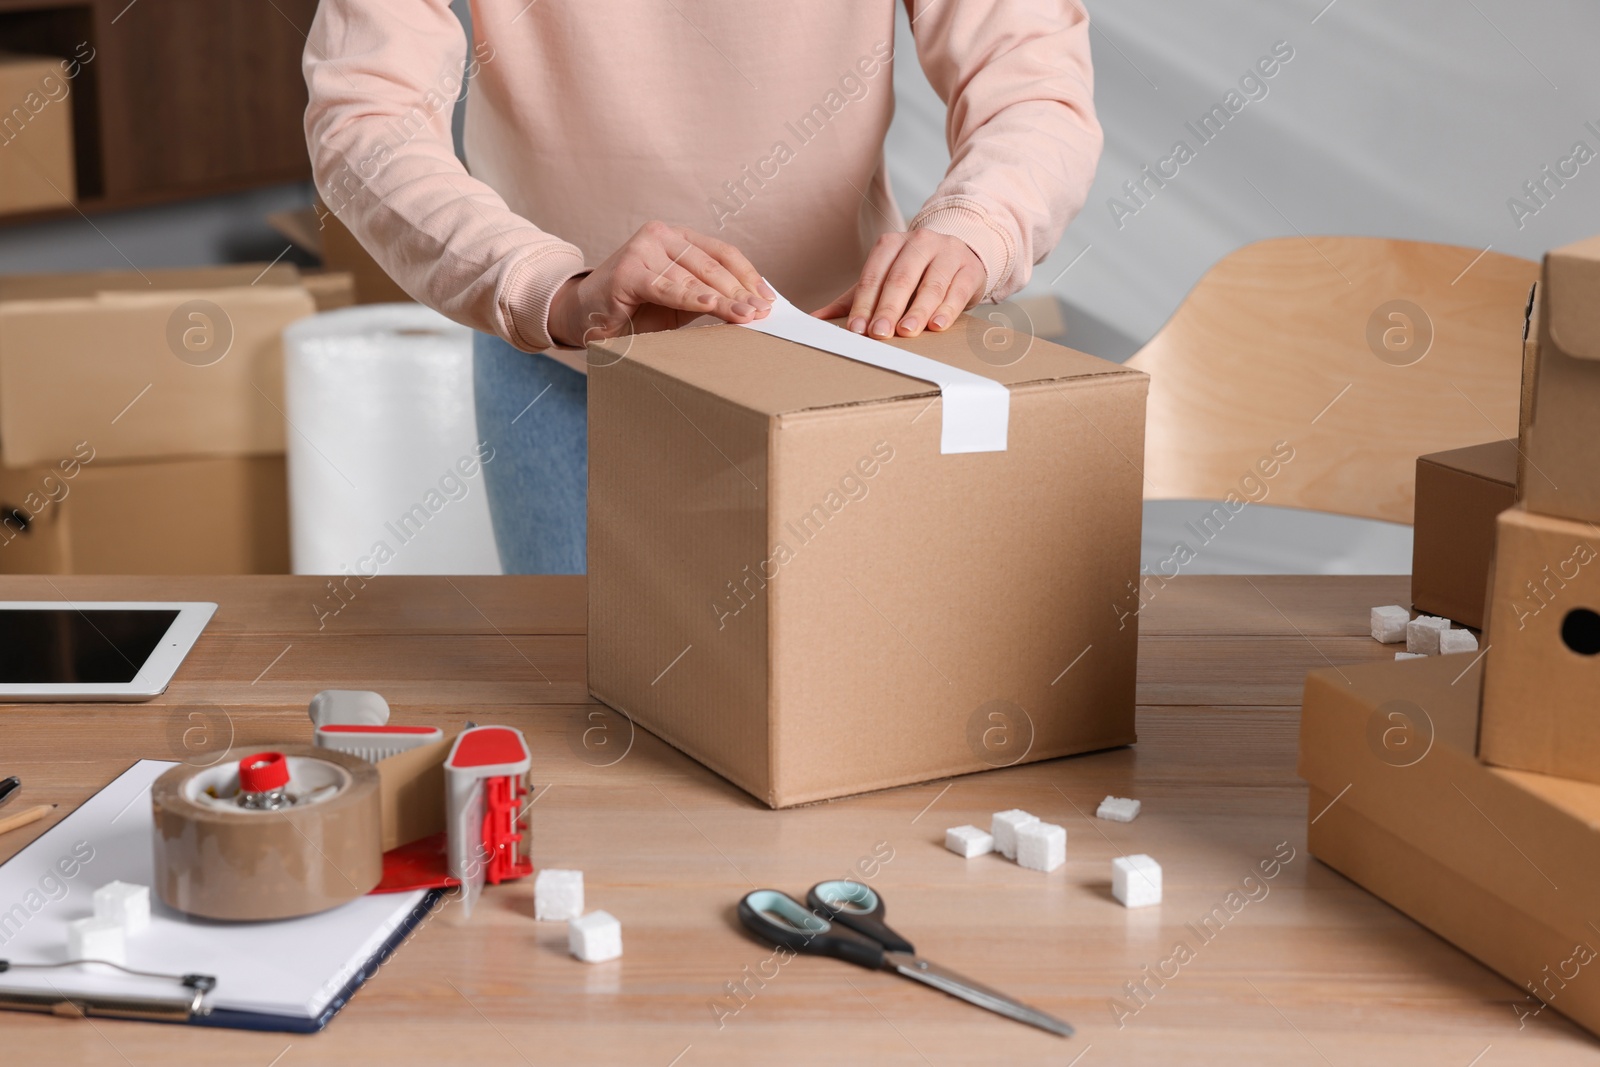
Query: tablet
point(94, 650)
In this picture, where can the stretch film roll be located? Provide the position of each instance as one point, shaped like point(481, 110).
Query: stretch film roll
point(385, 461)
point(218, 860)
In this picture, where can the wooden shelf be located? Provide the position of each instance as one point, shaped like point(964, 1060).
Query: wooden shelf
point(99, 205)
point(179, 98)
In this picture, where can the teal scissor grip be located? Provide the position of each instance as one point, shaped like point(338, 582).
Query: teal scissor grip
point(782, 920)
point(857, 906)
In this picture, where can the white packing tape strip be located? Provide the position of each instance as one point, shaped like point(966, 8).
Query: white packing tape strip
point(977, 410)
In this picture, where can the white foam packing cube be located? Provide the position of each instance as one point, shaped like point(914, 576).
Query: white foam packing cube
point(1004, 828)
point(557, 895)
point(1422, 634)
point(1118, 809)
point(595, 937)
point(968, 841)
point(1041, 846)
point(1389, 623)
point(1136, 880)
point(97, 938)
point(1409, 655)
point(126, 903)
point(1452, 641)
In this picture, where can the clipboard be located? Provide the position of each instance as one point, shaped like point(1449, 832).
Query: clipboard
point(290, 976)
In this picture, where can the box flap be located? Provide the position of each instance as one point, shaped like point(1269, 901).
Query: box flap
point(301, 227)
point(67, 286)
point(776, 377)
point(1493, 461)
point(1572, 280)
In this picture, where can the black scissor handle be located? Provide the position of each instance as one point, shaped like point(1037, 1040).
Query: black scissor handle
point(782, 920)
point(860, 908)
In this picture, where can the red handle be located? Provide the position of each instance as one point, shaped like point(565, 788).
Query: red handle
point(263, 772)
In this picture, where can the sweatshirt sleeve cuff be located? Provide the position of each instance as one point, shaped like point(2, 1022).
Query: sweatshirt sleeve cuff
point(529, 287)
point(965, 221)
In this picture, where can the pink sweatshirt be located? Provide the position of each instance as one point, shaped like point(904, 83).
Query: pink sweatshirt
point(761, 123)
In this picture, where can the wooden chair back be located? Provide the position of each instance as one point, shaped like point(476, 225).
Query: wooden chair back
point(1350, 356)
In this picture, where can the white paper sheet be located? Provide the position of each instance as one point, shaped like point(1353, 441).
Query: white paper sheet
point(977, 410)
point(292, 967)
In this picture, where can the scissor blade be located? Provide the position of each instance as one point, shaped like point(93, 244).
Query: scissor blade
point(948, 981)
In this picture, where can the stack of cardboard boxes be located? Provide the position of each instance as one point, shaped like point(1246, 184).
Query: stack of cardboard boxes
point(1469, 796)
point(141, 423)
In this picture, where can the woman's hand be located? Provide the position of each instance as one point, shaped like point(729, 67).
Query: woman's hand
point(663, 277)
point(938, 276)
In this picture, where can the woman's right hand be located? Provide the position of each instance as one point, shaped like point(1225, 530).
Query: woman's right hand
point(663, 277)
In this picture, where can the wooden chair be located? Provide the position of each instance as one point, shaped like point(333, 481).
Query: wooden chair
point(1358, 354)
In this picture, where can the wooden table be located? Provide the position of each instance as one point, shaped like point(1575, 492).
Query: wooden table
point(1317, 971)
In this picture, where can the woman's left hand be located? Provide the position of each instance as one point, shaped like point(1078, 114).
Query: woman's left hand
point(911, 281)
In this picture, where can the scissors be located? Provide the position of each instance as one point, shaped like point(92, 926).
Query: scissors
point(857, 934)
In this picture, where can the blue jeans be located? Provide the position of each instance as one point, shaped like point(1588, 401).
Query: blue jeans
point(534, 413)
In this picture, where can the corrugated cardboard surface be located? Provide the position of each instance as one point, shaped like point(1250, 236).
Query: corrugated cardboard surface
point(37, 171)
point(411, 792)
point(33, 539)
point(88, 283)
point(1459, 494)
point(1573, 277)
point(676, 509)
point(1562, 475)
point(102, 369)
point(330, 289)
point(1530, 379)
point(1515, 943)
point(811, 630)
point(1503, 863)
point(1540, 697)
point(201, 516)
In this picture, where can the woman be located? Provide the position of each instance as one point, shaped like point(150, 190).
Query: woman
point(635, 164)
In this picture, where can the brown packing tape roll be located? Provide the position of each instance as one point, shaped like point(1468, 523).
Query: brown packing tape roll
point(217, 860)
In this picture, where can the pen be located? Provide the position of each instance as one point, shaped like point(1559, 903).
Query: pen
point(24, 817)
point(9, 788)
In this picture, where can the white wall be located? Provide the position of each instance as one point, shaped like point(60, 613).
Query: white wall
point(1416, 120)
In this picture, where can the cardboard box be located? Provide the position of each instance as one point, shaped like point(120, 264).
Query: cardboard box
point(1563, 450)
point(1530, 365)
point(330, 289)
point(36, 163)
point(789, 581)
point(83, 515)
point(1400, 806)
point(1459, 495)
point(15, 287)
point(182, 363)
point(1530, 374)
point(1542, 666)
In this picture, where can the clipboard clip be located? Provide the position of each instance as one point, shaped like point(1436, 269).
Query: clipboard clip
point(179, 1007)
